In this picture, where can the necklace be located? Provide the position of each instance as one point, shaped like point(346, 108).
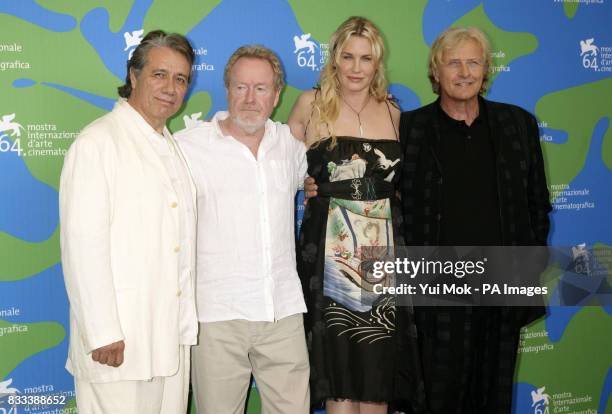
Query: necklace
point(358, 113)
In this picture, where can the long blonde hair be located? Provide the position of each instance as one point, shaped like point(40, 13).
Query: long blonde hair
point(326, 105)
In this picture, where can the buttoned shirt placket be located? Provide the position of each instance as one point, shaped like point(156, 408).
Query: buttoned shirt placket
point(264, 214)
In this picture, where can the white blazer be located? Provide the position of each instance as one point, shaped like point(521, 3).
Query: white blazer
point(119, 239)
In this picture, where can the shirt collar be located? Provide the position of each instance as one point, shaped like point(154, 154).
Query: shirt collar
point(446, 120)
point(124, 106)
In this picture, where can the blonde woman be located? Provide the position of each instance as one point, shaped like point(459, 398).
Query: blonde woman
point(351, 129)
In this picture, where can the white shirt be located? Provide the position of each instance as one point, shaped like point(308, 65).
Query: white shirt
point(246, 208)
point(176, 168)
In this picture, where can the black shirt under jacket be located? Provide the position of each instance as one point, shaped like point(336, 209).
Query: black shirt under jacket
point(468, 354)
point(523, 196)
point(469, 207)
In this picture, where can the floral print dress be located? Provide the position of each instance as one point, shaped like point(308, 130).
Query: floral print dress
point(352, 331)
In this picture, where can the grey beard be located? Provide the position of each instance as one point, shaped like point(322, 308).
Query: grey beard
point(249, 128)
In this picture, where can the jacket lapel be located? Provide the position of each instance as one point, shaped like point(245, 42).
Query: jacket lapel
point(495, 128)
point(139, 137)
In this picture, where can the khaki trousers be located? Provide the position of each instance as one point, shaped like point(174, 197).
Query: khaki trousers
point(160, 395)
point(274, 352)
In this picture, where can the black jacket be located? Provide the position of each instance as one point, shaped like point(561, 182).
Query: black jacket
point(522, 192)
point(468, 354)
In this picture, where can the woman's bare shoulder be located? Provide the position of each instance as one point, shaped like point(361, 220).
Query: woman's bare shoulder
point(300, 114)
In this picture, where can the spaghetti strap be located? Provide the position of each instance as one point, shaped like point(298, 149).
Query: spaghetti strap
point(391, 117)
point(310, 117)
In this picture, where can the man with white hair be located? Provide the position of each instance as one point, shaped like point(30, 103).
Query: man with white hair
point(473, 175)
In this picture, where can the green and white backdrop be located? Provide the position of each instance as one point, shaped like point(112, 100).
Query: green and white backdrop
point(62, 60)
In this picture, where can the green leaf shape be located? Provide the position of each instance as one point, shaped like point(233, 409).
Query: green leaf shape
point(288, 97)
point(575, 110)
point(16, 347)
point(583, 354)
point(21, 259)
point(180, 18)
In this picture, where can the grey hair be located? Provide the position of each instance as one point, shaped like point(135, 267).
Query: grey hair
point(256, 52)
point(153, 39)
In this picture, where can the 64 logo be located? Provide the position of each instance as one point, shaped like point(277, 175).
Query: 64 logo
point(305, 50)
point(588, 52)
point(9, 127)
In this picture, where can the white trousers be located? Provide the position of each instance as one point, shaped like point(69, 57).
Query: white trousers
point(160, 395)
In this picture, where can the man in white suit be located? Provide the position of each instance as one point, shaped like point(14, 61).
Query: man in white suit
point(127, 207)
